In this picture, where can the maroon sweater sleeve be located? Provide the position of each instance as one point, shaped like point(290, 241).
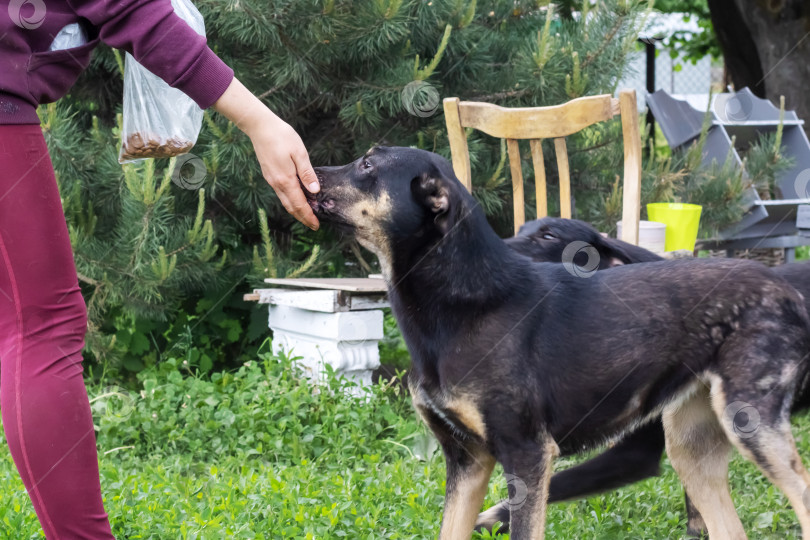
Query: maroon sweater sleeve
point(162, 42)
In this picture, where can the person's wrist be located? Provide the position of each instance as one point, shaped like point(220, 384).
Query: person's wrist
point(245, 110)
point(257, 119)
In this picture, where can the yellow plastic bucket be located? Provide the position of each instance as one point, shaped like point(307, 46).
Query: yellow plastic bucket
point(682, 222)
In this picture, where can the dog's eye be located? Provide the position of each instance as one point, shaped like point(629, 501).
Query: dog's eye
point(366, 165)
point(544, 235)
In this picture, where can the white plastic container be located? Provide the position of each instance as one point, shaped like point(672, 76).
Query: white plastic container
point(651, 235)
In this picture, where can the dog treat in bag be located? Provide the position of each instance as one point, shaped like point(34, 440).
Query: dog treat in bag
point(159, 121)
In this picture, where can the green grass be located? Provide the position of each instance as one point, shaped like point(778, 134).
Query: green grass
point(260, 454)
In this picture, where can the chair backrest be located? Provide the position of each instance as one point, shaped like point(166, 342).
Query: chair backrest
point(557, 122)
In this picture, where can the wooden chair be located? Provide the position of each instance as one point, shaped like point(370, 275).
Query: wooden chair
point(556, 123)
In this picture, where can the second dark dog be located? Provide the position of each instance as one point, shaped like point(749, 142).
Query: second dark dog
point(638, 455)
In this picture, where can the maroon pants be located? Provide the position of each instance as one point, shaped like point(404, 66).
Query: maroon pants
point(43, 319)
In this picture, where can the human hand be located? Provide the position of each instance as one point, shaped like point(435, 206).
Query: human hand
point(279, 149)
point(286, 167)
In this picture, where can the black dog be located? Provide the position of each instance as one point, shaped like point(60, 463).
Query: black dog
point(638, 455)
point(545, 240)
point(515, 361)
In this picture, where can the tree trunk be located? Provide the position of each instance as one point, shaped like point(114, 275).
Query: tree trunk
point(739, 50)
point(778, 64)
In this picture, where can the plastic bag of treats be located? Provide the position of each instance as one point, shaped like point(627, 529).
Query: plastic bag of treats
point(159, 121)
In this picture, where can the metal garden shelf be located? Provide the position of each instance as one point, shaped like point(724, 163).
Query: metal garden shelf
point(742, 117)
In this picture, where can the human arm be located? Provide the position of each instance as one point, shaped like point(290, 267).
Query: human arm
point(279, 149)
point(168, 47)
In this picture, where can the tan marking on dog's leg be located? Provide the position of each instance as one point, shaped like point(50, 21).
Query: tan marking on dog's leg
point(466, 487)
point(699, 452)
point(539, 516)
point(469, 415)
point(788, 473)
point(776, 455)
point(527, 517)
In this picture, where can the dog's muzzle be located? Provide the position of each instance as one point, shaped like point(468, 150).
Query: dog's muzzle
point(319, 206)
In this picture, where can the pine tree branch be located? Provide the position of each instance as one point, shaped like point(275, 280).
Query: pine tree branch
point(269, 92)
point(608, 39)
point(88, 280)
point(594, 147)
point(178, 250)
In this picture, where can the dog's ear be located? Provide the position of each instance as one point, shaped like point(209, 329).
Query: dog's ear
point(434, 192)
